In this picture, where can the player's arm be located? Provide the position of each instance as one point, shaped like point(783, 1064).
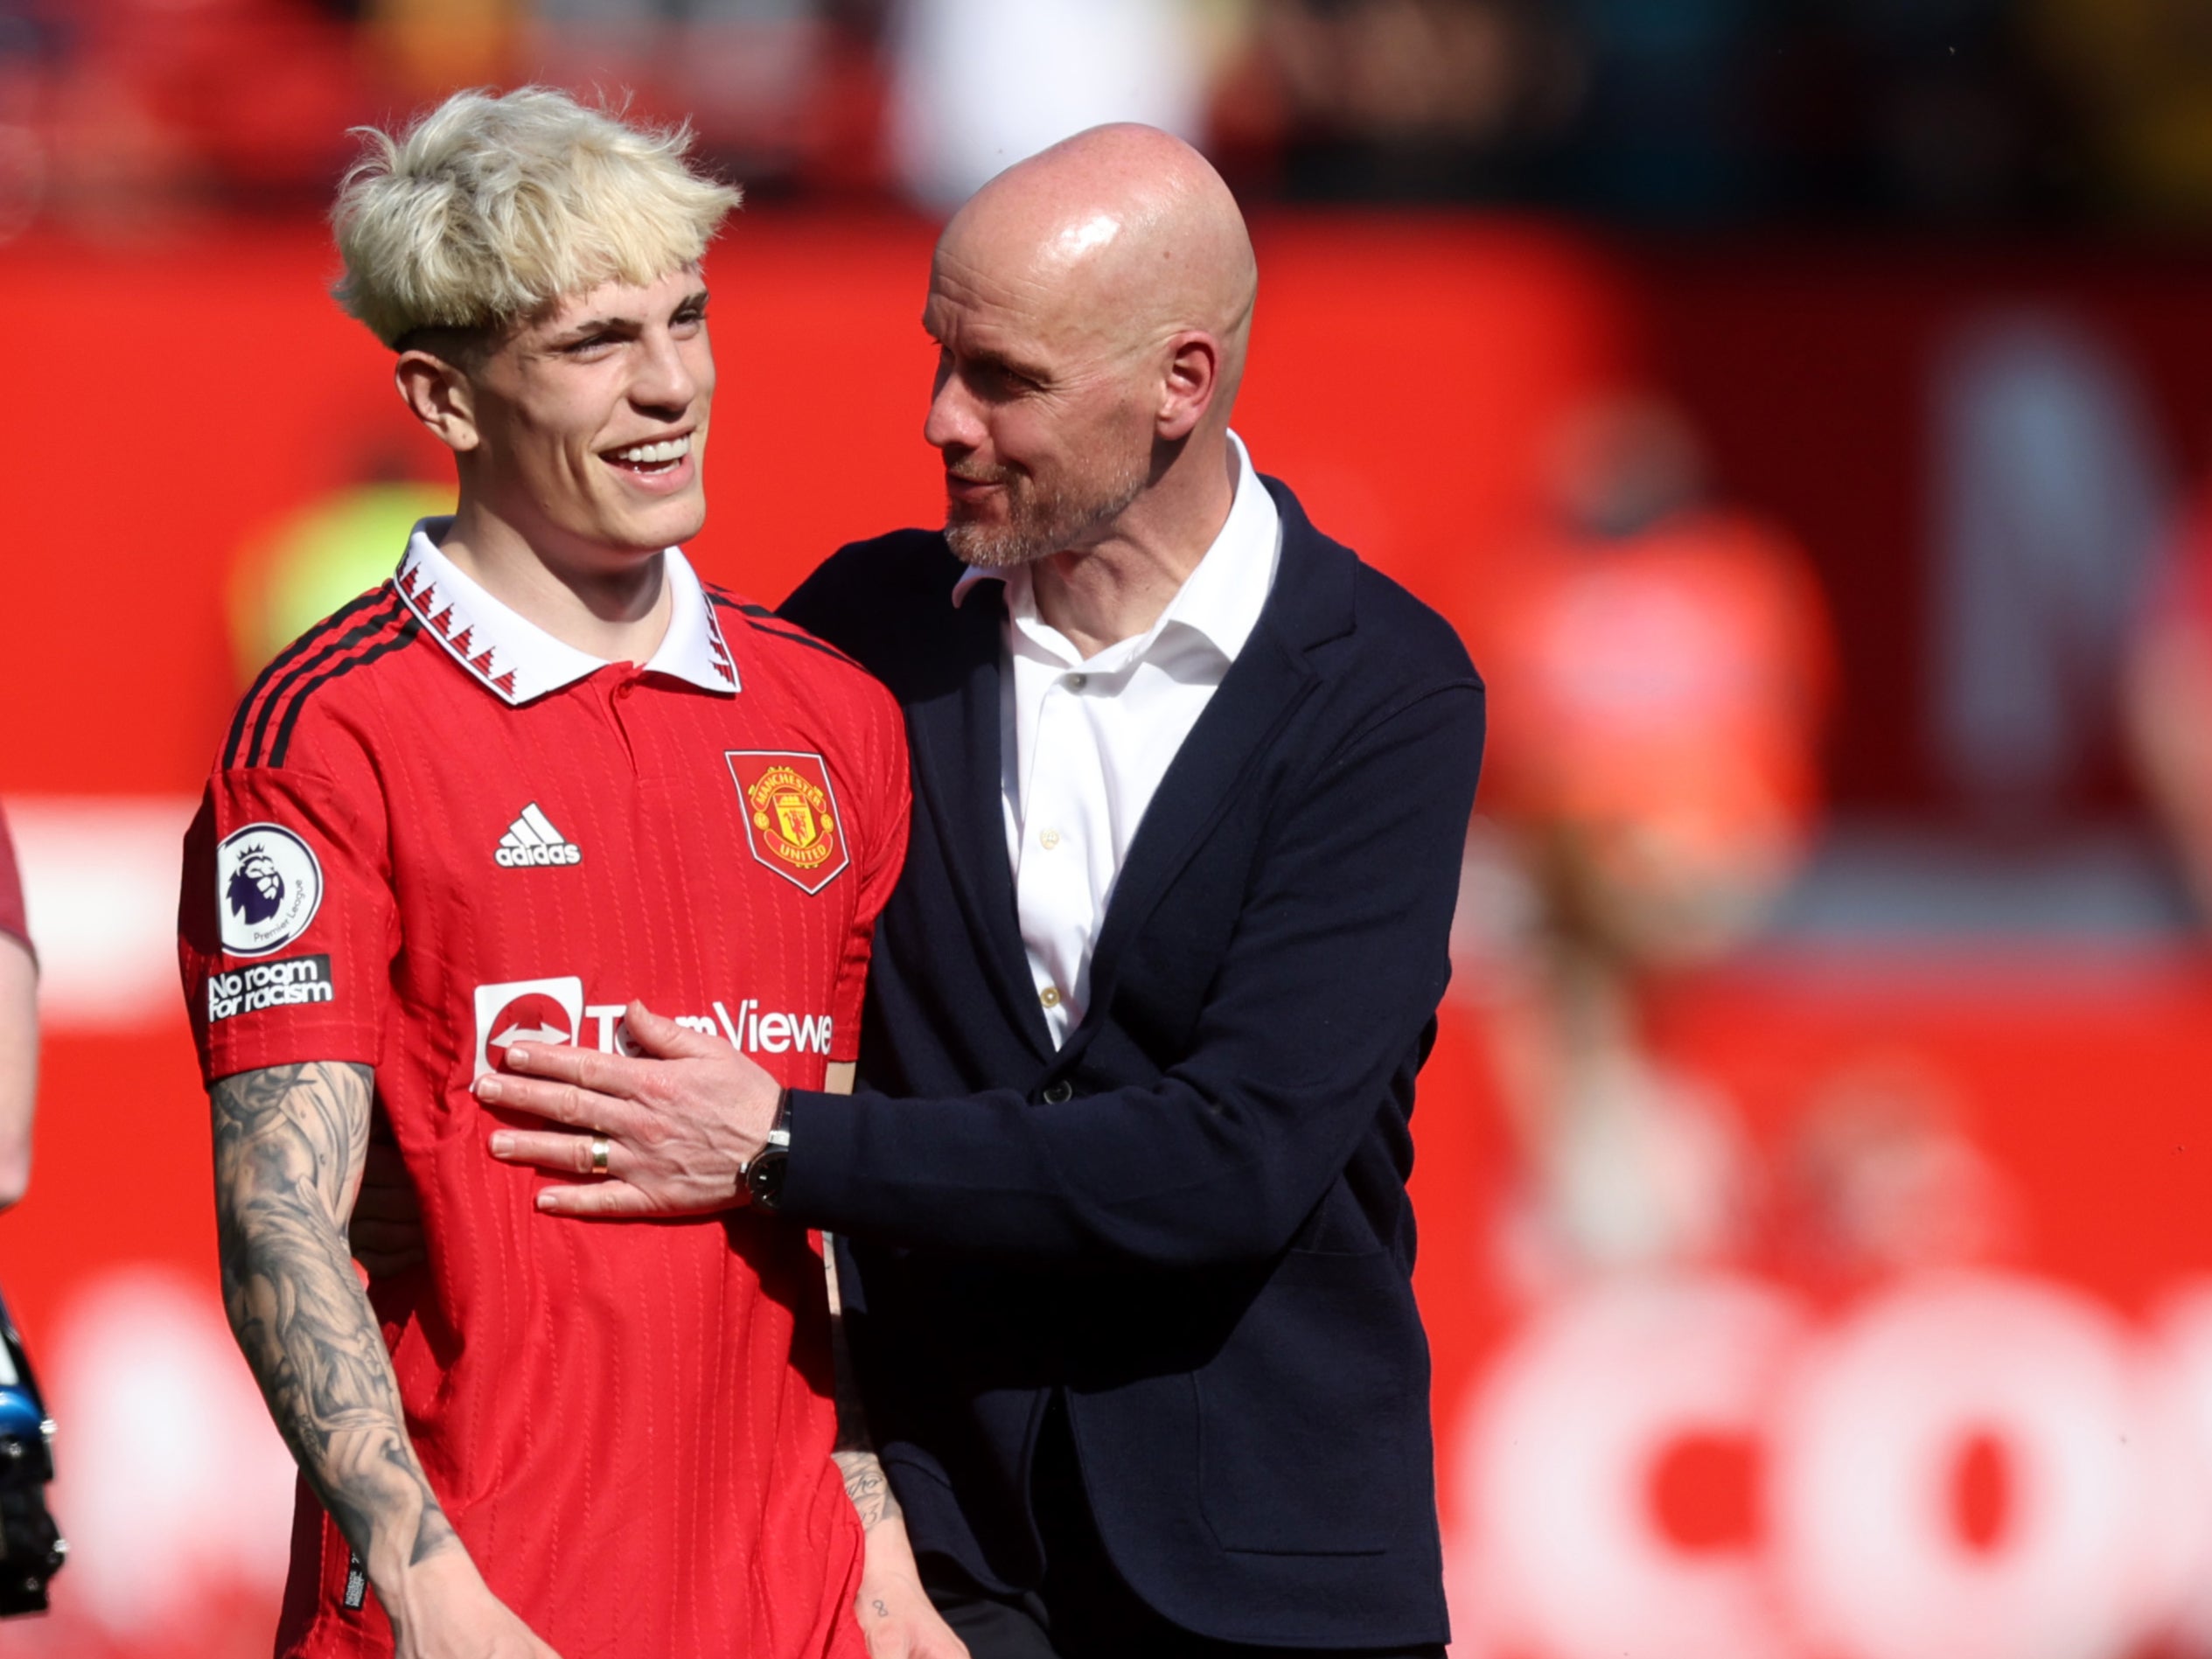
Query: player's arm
point(18, 1065)
point(894, 1612)
point(865, 1483)
point(290, 1142)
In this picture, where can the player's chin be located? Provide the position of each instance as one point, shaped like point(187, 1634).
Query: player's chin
point(659, 524)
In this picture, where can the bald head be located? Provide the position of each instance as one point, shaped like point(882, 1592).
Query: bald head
point(1132, 234)
point(1091, 307)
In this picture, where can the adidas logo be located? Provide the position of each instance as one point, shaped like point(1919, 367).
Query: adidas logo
point(532, 839)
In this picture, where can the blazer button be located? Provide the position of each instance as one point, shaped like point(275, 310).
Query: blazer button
point(1059, 1092)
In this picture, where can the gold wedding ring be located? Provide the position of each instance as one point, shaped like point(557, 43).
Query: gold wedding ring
point(601, 1149)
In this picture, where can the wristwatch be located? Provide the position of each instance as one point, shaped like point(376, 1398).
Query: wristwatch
point(763, 1176)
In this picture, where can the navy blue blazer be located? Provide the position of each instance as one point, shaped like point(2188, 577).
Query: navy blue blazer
point(1191, 1220)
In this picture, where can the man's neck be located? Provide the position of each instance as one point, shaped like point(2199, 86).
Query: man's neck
point(618, 610)
point(1099, 596)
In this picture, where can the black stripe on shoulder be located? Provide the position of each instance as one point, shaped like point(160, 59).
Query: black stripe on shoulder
point(411, 631)
point(284, 658)
point(380, 616)
point(716, 596)
point(796, 639)
point(757, 618)
point(329, 645)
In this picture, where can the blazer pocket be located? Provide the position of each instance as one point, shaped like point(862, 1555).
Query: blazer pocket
point(1303, 1414)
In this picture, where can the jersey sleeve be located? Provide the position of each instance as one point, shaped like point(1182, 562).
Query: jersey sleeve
point(12, 913)
point(879, 851)
point(286, 924)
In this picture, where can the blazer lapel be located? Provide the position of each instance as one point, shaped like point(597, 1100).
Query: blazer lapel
point(1311, 602)
point(956, 742)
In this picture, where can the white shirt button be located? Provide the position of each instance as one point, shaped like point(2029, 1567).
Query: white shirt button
point(1077, 682)
point(1049, 996)
point(1048, 839)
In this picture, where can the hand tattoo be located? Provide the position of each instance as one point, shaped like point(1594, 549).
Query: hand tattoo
point(882, 1610)
point(288, 1144)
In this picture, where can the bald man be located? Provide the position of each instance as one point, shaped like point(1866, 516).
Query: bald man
point(1121, 1195)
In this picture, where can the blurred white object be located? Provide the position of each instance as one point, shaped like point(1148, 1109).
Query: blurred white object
point(978, 85)
point(1642, 1168)
point(1568, 1555)
point(1705, 1465)
point(175, 1488)
point(100, 889)
point(2184, 1326)
point(1869, 1441)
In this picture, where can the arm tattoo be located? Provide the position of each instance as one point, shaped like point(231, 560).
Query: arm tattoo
point(288, 1146)
point(865, 1481)
point(868, 1487)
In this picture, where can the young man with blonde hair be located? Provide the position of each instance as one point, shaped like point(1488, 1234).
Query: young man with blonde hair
point(542, 778)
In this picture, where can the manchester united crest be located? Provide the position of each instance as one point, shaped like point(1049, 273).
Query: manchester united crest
point(791, 814)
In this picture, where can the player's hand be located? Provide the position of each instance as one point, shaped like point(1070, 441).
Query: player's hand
point(447, 1611)
point(898, 1621)
point(385, 1231)
point(681, 1122)
point(894, 1613)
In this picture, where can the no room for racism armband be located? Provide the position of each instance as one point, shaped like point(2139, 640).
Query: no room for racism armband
point(289, 982)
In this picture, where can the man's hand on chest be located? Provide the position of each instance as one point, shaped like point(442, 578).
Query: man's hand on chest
point(671, 1132)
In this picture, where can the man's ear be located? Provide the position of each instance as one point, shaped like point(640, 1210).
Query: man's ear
point(1187, 390)
point(439, 395)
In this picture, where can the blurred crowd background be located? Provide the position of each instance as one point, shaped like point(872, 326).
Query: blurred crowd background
point(1946, 113)
point(1801, 407)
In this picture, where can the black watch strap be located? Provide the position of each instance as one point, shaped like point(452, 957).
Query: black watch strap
point(763, 1176)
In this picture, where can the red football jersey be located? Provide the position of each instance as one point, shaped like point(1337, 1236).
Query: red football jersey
point(435, 830)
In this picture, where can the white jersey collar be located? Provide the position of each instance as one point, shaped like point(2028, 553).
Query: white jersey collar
point(517, 659)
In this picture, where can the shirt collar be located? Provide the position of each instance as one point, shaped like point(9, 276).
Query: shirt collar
point(517, 659)
point(1221, 599)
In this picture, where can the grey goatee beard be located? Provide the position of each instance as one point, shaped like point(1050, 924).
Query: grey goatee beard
point(1044, 521)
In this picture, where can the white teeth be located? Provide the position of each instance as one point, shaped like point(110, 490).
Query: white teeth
point(666, 449)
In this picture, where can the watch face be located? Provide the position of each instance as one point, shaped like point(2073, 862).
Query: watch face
point(765, 1179)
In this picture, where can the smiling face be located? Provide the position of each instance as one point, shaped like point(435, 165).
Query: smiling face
point(1038, 409)
point(586, 423)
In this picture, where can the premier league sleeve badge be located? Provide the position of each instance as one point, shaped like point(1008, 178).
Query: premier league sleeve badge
point(268, 887)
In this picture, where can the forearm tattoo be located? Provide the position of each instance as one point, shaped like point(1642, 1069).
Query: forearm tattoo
point(869, 1488)
point(288, 1146)
point(865, 1483)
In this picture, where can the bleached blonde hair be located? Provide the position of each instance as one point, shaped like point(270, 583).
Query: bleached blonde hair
point(491, 207)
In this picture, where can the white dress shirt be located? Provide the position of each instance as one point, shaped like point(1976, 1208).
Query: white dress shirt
point(1085, 741)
